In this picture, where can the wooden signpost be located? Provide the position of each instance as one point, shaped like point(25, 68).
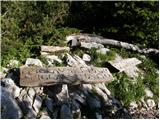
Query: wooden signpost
point(38, 76)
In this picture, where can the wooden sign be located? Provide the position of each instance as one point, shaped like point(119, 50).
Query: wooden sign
point(38, 76)
point(124, 64)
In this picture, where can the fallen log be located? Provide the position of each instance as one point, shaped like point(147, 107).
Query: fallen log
point(81, 38)
point(38, 76)
point(51, 49)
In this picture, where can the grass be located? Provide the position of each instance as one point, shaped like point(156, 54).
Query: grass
point(150, 78)
point(124, 89)
point(97, 59)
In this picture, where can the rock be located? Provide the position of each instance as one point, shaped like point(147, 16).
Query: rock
point(93, 103)
point(31, 114)
point(148, 93)
point(98, 116)
point(76, 110)
point(132, 72)
point(32, 61)
point(75, 61)
point(38, 90)
point(44, 115)
point(71, 61)
point(11, 86)
point(65, 112)
point(70, 37)
point(9, 106)
point(86, 58)
point(103, 51)
point(151, 103)
point(31, 93)
point(52, 59)
point(133, 106)
point(49, 104)
point(80, 62)
point(63, 96)
point(78, 98)
point(13, 63)
point(37, 103)
point(102, 86)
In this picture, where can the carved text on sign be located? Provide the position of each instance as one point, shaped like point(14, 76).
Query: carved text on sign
point(36, 76)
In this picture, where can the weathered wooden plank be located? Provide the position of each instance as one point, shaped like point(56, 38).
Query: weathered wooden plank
point(53, 48)
point(124, 64)
point(38, 76)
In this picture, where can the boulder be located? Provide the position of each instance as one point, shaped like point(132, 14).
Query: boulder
point(32, 61)
point(93, 103)
point(86, 58)
point(9, 106)
point(11, 87)
point(52, 59)
point(148, 93)
point(37, 103)
point(74, 61)
point(103, 51)
point(65, 112)
point(151, 103)
point(49, 104)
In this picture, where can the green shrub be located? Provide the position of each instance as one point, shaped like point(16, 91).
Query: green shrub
point(125, 89)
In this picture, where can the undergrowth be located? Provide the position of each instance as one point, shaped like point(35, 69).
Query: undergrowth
point(149, 71)
point(97, 59)
point(125, 89)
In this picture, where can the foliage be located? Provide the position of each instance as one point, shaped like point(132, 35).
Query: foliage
point(149, 70)
point(134, 22)
point(27, 25)
point(125, 89)
point(97, 58)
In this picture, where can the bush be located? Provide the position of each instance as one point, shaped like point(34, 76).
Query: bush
point(125, 89)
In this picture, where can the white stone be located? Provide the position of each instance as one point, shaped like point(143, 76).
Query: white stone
point(32, 61)
point(75, 61)
point(31, 93)
point(63, 95)
point(133, 104)
point(37, 103)
point(52, 59)
point(80, 62)
point(71, 61)
point(103, 51)
point(45, 116)
point(70, 37)
point(151, 103)
point(86, 58)
point(11, 87)
point(13, 63)
point(148, 93)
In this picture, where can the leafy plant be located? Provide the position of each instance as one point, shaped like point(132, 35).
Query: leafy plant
point(125, 89)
